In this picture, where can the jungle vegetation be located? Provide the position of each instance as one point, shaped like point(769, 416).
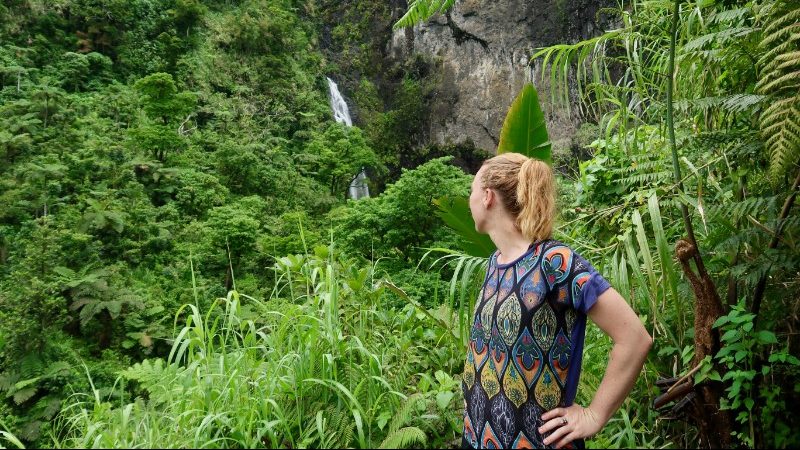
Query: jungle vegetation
point(180, 266)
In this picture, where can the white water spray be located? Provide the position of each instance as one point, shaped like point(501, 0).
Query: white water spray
point(340, 111)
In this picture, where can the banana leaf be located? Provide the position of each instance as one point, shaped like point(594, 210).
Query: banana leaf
point(524, 129)
point(455, 213)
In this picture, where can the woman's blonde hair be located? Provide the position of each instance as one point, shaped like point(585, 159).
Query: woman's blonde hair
point(527, 190)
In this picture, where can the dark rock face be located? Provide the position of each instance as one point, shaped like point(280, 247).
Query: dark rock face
point(482, 50)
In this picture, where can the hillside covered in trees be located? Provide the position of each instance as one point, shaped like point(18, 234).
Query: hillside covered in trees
point(180, 265)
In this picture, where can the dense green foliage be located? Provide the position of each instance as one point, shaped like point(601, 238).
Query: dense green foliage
point(736, 145)
point(139, 137)
point(160, 159)
point(323, 362)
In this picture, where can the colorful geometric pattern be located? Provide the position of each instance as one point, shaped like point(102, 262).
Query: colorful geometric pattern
point(556, 264)
point(509, 318)
point(527, 358)
point(577, 286)
point(532, 289)
point(506, 284)
point(527, 326)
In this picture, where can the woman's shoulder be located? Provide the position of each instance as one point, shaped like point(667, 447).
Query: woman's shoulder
point(557, 246)
point(564, 256)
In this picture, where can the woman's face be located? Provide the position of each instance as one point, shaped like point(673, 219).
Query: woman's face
point(478, 202)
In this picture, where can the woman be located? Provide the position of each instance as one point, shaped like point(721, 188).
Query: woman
point(526, 343)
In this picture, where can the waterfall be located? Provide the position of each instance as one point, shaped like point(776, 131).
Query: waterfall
point(358, 185)
point(340, 111)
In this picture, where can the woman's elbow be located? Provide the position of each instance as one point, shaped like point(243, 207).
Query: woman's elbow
point(645, 342)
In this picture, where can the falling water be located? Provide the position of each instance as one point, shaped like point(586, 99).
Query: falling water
point(340, 112)
point(358, 185)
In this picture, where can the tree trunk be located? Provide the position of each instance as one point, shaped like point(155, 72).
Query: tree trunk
point(104, 340)
point(714, 424)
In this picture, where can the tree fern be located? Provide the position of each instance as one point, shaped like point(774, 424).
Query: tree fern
point(780, 80)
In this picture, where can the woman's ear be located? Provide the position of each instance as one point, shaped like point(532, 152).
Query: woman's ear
point(488, 198)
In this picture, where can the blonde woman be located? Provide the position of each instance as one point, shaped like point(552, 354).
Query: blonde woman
point(526, 343)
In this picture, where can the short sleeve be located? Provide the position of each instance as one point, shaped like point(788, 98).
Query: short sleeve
point(595, 286)
point(573, 276)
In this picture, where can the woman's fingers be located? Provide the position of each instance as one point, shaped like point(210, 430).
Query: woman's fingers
point(553, 423)
point(569, 438)
point(557, 412)
point(558, 434)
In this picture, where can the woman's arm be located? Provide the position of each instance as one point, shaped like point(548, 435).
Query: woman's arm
point(631, 343)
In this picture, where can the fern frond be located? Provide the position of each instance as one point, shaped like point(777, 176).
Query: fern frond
point(771, 54)
point(23, 395)
point(730, 103)
point(404, 437)
point(780, 81)
point(31, 366)
point(729, 15)
point(776, 112)
point(403, 415)
point(788, 81)
point(745, 237)
point(781, 25)
point(760, 207)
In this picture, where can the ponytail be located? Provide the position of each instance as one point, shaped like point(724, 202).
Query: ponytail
point(536, 197)
point(527, 190)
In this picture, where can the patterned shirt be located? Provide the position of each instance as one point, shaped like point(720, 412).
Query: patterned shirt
point(526, 344)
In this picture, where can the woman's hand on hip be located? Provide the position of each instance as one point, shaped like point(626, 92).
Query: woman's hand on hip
point(568, 424)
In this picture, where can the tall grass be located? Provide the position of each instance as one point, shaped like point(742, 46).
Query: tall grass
point(11, 439)
point(323, 362)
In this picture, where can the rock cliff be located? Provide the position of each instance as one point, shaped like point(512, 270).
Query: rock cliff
point(482, 49)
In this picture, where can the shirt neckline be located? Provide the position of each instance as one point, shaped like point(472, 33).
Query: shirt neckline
point(530, 249)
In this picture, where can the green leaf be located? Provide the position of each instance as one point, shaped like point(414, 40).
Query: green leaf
point(443, 399)
point(743, 318)
point(721, 321)
point(442, 377)
point(455, 212)
point(11, 438)
point(730, 336)
point(524, 129)
point(383, 419)
point(422, 10)
point(766, 337)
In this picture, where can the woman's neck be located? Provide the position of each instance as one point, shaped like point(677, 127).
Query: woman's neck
point(509, 241)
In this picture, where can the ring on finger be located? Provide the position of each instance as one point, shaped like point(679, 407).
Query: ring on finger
point(564, 420)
